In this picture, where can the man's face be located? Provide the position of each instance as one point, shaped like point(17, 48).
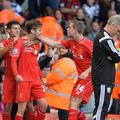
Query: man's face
point(37, 31)
point(15, 31)
point(70, 30)
point(62, 51)
point(95, 27)
point(115, 29)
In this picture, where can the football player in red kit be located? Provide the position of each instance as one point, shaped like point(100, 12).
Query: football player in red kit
point(27, 73)
point(81, 49)
point(9, 83)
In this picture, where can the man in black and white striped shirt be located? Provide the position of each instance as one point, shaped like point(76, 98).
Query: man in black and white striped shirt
point(104, 58)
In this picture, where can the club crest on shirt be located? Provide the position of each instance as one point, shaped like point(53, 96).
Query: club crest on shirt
point(108, 90)
point(1, 45)
point(15, 51)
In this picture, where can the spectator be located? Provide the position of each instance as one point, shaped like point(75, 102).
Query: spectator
point(111, 12)
point(116, 5)
point(69, 7)
point(94, 31)
point(82, 21)
point(14, 6)
point(60, 19)
point(50, 27)
point(91, 9)
point(115, 108)
point(54, 4)
point(36, 7)
point(7, 15)
point(105, 5)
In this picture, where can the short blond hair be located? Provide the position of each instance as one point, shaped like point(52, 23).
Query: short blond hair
point(115, 19)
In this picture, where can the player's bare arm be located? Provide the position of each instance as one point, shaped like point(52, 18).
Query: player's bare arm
point(50, 42)
point(85, 74)
point(5, 49)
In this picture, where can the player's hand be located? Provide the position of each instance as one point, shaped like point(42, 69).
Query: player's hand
point(44, 81)
point(28, 43)
point(12, 44)
point(18, 78)
point(84, 75)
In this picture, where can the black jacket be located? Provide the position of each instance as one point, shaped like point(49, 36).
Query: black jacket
point(104, 58)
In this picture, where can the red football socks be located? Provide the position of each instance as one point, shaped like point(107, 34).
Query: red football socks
point(82, 116)
point(32, 115)
point(73, 114)
point(40, 115)
point(17, 117)
point(5, 116)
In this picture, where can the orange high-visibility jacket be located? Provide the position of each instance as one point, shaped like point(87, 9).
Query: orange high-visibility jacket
point(7, 15)
point(61, 80)
point(116, 90)
point(51, 29)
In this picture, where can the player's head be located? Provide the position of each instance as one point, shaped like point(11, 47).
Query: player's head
point(72, 28)
point(33, 26)
point(114, 24)
point(13, 28)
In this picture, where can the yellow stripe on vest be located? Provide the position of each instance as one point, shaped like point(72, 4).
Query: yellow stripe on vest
point(58, 93)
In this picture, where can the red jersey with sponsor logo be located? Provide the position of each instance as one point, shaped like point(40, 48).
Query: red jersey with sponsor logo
point(82, 52)
point(7, 60)
point(26, 57)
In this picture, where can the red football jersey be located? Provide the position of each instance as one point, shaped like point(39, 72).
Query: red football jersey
point(7, 60)
point(26, 57)
point(82, 52)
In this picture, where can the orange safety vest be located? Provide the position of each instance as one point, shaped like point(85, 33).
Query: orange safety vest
point(116, 90)
point(7, 15)
point(51, 29)
point(62, 78)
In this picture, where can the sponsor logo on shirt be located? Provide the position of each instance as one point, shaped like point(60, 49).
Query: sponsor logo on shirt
point(77, 54)
point(32, 50)
point(108, 90)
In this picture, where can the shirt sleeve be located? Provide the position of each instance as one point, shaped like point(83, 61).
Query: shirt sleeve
point(111, 51)
point(3, 44)
point(15, 53)
point(65, 43)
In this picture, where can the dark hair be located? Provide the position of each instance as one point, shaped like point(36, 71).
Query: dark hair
point(32, 24)
point(2, 28)
point(68, 54)
point(11, 23)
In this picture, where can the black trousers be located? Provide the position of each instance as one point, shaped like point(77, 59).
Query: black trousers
point(63, 114)
point(102, 101)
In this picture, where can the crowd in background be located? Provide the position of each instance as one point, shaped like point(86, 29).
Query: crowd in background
point(91, 14)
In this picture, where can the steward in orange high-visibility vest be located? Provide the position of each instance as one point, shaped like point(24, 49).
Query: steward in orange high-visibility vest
point(116, 90)
point(60, 81)
point(7, 15)
point(51, 29)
